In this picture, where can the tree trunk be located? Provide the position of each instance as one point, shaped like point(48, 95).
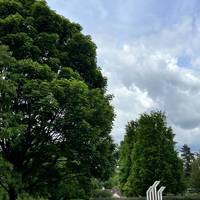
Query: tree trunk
point(12, 194)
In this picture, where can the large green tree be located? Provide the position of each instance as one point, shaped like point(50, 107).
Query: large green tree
point(55, 118)
point(148, 154)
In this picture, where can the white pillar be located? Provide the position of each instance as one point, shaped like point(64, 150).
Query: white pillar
point(153, 194)
point(148, 193)
point(160, 191)
point(156, 183)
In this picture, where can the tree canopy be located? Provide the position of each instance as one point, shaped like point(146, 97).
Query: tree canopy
point(148, 154)
point(55, 118)
point(32, 30)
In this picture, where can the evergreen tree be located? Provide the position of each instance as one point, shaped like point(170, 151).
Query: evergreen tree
point(187, 157)
point(153, 156)
point(125, 160)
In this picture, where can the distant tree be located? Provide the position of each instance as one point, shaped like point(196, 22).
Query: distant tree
point(125, 158)
point(55, 118)
point(195, 175)
point(148, 154)
point(187, 157)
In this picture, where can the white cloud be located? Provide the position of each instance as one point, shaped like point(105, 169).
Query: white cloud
point(189, 137)
point(128, 103)
point(145, 75)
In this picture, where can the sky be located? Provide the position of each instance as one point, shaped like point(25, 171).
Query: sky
point(150, 52)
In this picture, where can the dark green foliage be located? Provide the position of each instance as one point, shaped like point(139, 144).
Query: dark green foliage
point(32, 30)
point(148, 154)
point(55, 119)
point(187, 157)
point(52, 128)
point(195, 175)
point(125, 160)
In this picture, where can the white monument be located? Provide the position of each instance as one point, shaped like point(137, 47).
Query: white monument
point(153, 194)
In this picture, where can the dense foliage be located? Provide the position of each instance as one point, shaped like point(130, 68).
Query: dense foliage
point(195, 174)
point(55, 119)
point(32, 30)
point(187, 157)
point(148, 154)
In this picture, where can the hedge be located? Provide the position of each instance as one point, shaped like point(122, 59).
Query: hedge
point(196, 197)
